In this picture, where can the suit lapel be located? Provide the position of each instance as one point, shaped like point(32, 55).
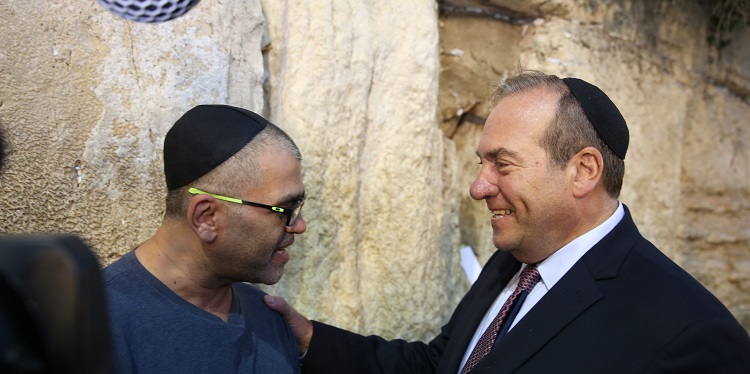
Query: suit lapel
point(568, 299)
point(494, 277)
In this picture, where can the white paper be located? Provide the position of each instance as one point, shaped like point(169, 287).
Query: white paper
point(470, 264)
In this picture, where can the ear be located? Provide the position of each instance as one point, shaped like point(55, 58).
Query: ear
point(201, 217)
point(586, 167)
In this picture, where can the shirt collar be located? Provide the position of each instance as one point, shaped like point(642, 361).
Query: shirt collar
point(555, 266)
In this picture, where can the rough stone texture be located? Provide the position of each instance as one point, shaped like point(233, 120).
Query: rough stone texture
point(380, 253)
point(385, 99)
point(81, 87)
point(715, 201)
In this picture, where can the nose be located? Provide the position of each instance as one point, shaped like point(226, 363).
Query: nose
point(298, 227)
point(482, 188)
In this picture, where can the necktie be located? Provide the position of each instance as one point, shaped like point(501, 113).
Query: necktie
point(529, 278)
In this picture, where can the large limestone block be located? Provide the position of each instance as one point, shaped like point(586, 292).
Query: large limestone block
point(356, 84)
point(716, 196)
point(80, 87)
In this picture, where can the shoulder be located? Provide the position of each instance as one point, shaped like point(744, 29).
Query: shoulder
point(267, 325)
point(125, 284)
point(653, 292)
point(251, 299)
point(627, 265)
point(649, 264)
point(658, 281)
point(119, 268)
point(710, 345)
point(258, 316)
point(249, 294)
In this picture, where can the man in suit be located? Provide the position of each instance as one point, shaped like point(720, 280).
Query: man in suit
point(573, 287)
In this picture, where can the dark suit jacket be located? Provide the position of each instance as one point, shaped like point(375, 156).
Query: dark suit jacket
point(624, 307)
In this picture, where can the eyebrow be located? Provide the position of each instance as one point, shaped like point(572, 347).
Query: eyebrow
point(500, 151)
point(293, 199)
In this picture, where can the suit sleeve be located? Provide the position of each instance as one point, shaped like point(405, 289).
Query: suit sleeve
point(333, 350)
point(709, 346)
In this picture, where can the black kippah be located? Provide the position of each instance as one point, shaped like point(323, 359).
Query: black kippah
point(205, 137)
point(603, 114)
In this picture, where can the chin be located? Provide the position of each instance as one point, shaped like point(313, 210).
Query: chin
point(271, 279)
point(499, 244)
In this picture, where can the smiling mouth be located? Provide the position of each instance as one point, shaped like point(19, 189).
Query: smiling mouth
point(501, 213)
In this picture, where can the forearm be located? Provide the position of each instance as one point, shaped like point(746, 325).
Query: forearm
point(333, 350)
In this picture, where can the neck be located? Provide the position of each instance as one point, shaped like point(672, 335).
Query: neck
point(601, 213)
point(174, 255)
point(586, 216)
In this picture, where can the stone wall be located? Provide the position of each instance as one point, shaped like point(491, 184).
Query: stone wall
point(385, 100)
point(82, 88)
point(356, 84)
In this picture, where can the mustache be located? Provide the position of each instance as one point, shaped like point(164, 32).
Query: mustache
point(286, 240)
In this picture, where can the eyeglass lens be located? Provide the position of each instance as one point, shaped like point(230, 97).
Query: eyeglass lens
point(295, 215)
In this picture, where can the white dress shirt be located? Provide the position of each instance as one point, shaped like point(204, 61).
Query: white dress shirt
point(551, 269)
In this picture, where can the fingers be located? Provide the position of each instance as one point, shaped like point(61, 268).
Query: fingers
point(277, 304)
point(301, 327)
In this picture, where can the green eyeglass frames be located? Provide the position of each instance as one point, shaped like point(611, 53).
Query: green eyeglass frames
point(291, 213)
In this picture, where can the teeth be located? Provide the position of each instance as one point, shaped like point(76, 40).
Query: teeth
point(503, 212)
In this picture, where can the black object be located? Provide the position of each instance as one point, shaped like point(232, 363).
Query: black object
point(149, 11)
point(603, 114)
point(203, 138)
point(53, 315)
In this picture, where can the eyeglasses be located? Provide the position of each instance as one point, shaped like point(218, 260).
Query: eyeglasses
point(291, 213)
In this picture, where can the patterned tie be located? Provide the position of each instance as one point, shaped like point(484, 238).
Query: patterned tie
point(529, 278)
